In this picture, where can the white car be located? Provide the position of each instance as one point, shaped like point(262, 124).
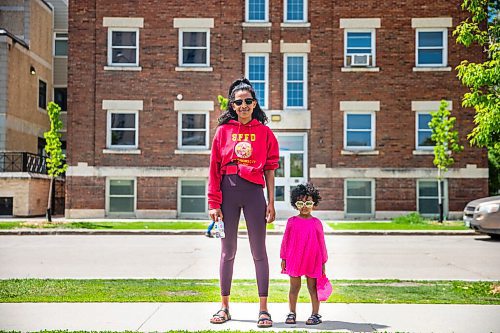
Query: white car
point(483, 215)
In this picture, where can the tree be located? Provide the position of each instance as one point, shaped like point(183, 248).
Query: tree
point(446, 142)
point(55, 161)
point(222, 102)
point(482, 79)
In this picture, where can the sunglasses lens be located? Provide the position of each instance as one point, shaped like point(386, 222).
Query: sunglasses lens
point(238, 102)
point(309, 204)
point(248, 101)
point(299, 204)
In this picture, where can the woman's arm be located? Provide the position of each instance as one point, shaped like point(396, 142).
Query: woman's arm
point(270, 212)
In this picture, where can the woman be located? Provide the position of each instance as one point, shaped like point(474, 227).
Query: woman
point(244, 156)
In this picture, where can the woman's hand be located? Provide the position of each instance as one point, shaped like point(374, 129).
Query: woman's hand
point(215, 214)
point(323, 269)
point(270, 213)
point(283, 265)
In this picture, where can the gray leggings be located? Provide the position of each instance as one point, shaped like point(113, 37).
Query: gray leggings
point(238, 193)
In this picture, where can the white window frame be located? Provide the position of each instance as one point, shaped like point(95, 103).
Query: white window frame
point(372, 183)
point(109, 129)
point(247, 12)
point(108, 196)
point(180, 196)
point(304, 80)
point(444, 196)
point(181, 47)
point(180, 130)
point(59, 39)
point(373, 48)
point(285, 6)
point(444, 57)
point(372, 132)
point(417, 146)
point(266, 75)
point(110, 47)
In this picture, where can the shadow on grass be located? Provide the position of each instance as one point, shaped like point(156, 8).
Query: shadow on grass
point(87, 225)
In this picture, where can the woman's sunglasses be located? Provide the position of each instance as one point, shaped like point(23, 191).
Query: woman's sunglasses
point(300, 204)
point(248, 101)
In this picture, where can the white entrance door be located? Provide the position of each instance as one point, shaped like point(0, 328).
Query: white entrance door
point(293, 167)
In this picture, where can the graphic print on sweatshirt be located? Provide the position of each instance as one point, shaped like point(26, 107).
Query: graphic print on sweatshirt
point(243, 148)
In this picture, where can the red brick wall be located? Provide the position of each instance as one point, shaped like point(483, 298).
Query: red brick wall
point(156, 193)
point(85, 192)
point(158, 84)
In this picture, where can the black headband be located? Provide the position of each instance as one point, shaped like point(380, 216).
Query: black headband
point(241, 86)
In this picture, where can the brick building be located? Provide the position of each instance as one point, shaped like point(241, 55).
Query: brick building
point(25, 89)
point(348, 87)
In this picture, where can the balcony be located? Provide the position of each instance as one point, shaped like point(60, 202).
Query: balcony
point(22, 162)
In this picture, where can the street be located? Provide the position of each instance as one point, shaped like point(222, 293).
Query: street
point(193, 257)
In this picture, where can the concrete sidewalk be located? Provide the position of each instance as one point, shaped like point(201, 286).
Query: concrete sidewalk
point(340, 317)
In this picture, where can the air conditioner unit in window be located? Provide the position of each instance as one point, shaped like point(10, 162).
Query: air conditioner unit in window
point(361, 60)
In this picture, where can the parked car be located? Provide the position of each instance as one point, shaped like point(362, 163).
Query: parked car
point(483, 215)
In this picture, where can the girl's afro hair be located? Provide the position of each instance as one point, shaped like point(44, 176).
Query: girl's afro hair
point(304, 190)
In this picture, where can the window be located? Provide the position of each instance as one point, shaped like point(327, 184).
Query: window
point(61, 44)
point(427, 192)
point(431, 47)
point(123, 47)
point(257, 10)
point(295, 81)
point(122, 129)
point(359, 131)
point(295, 10)
point(424, 132)
point(192, 198)
point(193, 130)
point(61, 98)
point(359, 48)
point(42, 94)
point(121, 196)
point(359, 198)
point(194, 47)
point(257, 73)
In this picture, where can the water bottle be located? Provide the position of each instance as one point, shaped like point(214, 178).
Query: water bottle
point(218, 230)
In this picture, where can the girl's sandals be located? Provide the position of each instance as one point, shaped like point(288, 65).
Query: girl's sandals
point(291, 318)
point(261, 322)
point(315, 319)
point(218, 318)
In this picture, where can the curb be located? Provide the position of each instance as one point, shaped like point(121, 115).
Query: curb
point(48, 232)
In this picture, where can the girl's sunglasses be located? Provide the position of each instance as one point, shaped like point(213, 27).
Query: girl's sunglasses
point(300, 204)
point(248, 101)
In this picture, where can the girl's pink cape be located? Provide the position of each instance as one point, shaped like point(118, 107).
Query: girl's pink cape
point(324, 288)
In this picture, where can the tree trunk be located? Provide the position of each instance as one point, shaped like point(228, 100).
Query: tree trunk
point(440, 200)
point(49, 203)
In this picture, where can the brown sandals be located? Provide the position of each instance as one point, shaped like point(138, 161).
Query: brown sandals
point(221, 319)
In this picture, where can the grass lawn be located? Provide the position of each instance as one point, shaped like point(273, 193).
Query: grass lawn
point(102, 225)
point(152, 290)
point(397, 226)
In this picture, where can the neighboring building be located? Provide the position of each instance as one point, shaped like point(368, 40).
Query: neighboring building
point(25, 89)
point(347, 85)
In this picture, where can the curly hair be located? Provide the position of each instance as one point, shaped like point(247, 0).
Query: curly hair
point(304, 190)
point(239, 85)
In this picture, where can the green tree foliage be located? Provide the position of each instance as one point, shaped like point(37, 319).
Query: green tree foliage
point(222, 102)
point(444, 137)
point(446, 142)
point(56, 165)
point(55, 161)
point(483, 79)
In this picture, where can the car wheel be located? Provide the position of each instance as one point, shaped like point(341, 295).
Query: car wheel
point(494, 236)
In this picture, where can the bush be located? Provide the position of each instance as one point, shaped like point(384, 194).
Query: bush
point(412, 218)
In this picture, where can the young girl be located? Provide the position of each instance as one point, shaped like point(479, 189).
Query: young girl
point(303, 250)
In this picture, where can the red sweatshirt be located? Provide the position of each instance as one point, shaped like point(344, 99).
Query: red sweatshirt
point(252, 146)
